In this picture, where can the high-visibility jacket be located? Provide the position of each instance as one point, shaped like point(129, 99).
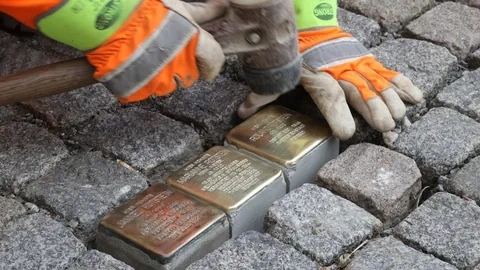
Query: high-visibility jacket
point(138, 47)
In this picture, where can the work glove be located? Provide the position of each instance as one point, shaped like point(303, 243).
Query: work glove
point(139, 48)
point(338, 70)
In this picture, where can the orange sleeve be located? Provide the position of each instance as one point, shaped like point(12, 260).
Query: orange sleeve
point(26, 11)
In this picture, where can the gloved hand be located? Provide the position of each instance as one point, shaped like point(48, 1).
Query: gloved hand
point(138, 47)
point(338, 70)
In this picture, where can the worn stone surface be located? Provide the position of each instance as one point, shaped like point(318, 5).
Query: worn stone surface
point(474, 3)
point(26, 153)
point(10, 209)
point(466, 182)
point(210, 106)
point(148, 141)
point(74, 107)
point(442, 140)
point(12, 113)
point(85, 187)
point(451, 25)
point(381, 181)
point(391, 254)
point(94, 259)
point(430, 67)
point(319, 224)
point(391, 14)
point(474, 61)
point(447, 227)
point(253, 250)
point(37, 242)
point(463, 95)
point(366, 30)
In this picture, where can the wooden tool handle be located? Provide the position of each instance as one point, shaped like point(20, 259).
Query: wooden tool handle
point(46, 81)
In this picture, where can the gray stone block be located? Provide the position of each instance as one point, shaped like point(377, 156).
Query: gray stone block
point(462, 95)
point(12, 113)
point(430, 67)
point(210, 106)
point(74, 107)
point(452, 25)
point(11, 209)
point(474, 3)
point(84, 188)
point(474, 60)
point(391, 254)
point(442, 140)
point(466, 182)
point(392, 15)
point(383, 182)
point(320, 224)
point(447, 227)
point(94, 259)
point(366, 30)
point(26, 153)
point(253, 250)
point(38, 242)
point(148, 141)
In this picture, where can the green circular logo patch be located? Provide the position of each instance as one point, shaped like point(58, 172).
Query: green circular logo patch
point(109, 14)
point(324, 12)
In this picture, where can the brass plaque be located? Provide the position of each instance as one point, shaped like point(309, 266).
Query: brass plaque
point(161, 220)
point(279, 135)
point(224, 177)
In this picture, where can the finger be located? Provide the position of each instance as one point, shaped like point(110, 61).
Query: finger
point(209, 55)
point(383, 88)
point(253, 103)
point(205, 12)
point(330, 100)
point(369, 105)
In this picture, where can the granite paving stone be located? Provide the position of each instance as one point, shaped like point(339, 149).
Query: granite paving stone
point(318, 223)
point(442, 140)
point(74, 107)
point(429, 66)
point(366, 30)
point(381, 181)
point(10, 210)
point(94, 259)
point(26, 153)
point(148, 141)
point(210, 106)
point(465, 182)
point(392, 15)
point(253, 250)
point(12, 112)
point(477, 268)
point(474, 60)
point(451, 25)
point(391, 254)
point(463, 95)
point(37, 242)
point(447, 227)
point(84, 188)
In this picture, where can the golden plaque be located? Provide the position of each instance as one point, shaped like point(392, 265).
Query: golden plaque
point(160, 221)
point(280, 135)
point(224, 177)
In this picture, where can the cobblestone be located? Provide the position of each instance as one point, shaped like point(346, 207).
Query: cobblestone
point(466, 182)
point(452, 25)
point(391, 14)
point(447, 227)
point(379, 180)
point(210, 106)
point(442, 140)
point(11, 209)
point(148, 141)
point(94, 259)
point(252, 250)
point(37, 242)
point(24, 157)
point(462, 95)
point(319, 224)
point(366, 30)
point(391, 254)
point(84, 188)
point(474, 61)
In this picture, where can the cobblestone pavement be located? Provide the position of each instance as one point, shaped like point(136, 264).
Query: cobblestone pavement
point(413, 205)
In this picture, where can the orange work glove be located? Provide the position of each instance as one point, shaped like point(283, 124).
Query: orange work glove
point(139, 48)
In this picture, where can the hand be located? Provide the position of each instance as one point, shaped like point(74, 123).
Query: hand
point(337, 71)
